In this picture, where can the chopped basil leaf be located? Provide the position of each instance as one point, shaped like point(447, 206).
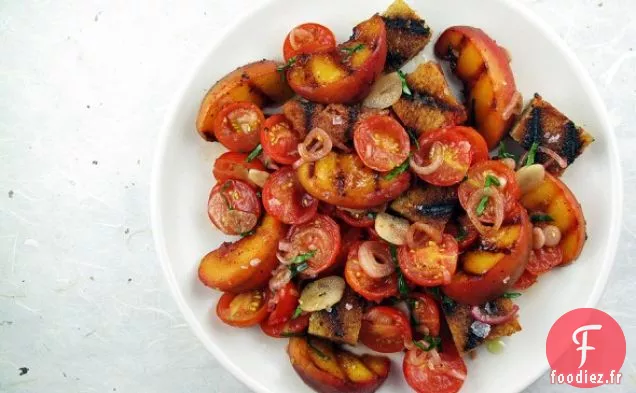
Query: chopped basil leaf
point(433, 342)
point(448, 303)
point(511, 295)
point(372, 215)
point(503, 153)
point(291, 334)
point(413, 137)
point(298, 268)
point(541, 218)
point(317, 351)
point(248, 233)
point(436, 292)
point(297, 312)
point(405, 86)
point(482, 205)
point(461, 233)
point(304, 257)
point(255, 153)
point(532, 153)
point(402, 286)
point(491, 180)
point(398, 170)
point(353, 49)
point(412, 303)
point(283, 68)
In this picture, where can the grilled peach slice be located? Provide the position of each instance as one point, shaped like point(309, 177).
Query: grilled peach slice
point(345, 74)
point(556, 200)
point(328, 369)
point(484, 67)
point(245, 264)
point(343, 180)
point(495, 264)
point(259, 82)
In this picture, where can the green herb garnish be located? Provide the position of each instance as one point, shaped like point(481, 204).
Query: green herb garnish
point(503, 153)
point(291, 334)
point(433, 342)
point(412, 303)
point(353, 49)
point(255, 153)
point(541, 218)
point(532, 153)
point(300, 258)
point(298, 268)
point(248, 233)
point(283, 68)
point(491, 181)
point(405, 86)
point(297, 312)
point(413, 137)
point(461, 233)
point(398, 170)
point(511, 295)
point(372, 215)
point(317, 351)
point(482, 205)
point(402, 286)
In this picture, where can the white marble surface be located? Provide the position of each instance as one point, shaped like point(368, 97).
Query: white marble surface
point(83, 89)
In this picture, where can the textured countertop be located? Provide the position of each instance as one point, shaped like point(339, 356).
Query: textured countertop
point(83, 90)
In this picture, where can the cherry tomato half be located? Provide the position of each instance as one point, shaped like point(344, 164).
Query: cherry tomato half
point(234, 166)
point(381, 142)
point(318, 238)
point(431, 265)
point(286, 200)
point(445, 376)
point(477, 177)
point(385, 329)
point(362, 219)
point(293, 327)
point(425, 313)
point(286, 303)
point(449, 146)
point(463, 231)
point(237, 126)
point(280, 140)
point(233, 207)
point(242, 310)
point(526, 280)
point(308, 38)
point(478, 146)
point(544, 259)
point(372, 289)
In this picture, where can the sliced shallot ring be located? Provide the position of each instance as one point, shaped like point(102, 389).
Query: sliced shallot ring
point(369, 253)
point(557, 158)
point(431, 233)
point(299, 34)
point(385, 92)
point(481, 316)
point(438, 160)
point(284, 246)
point(494, 196)
point(513, 107)
point(454, 373)
point(280, 277)
point(316, 145)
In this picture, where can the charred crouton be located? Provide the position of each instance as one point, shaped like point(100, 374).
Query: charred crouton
point(337, 120)
point(544, 124)
point(428, 204)
point(342, 323)
point(406, 34)
point(431, 104)
point(468, 333)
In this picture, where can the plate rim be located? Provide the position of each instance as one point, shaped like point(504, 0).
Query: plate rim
point(162, 146)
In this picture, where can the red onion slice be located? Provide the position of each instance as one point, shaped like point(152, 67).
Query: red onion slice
point(430, 233)
point(513, 107)
point(369, 254)
point(316, 145)
point(299, 35)
point(495, 198)
point(454, 373)
point(436, 154)
point(280, 277)
point(557, 158)
point(481, 316)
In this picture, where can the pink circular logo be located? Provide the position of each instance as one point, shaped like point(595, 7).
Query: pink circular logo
point(586, 348)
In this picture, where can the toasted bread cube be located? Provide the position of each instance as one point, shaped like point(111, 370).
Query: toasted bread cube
point(428, 204)
point(407, 34)
point(342, 323)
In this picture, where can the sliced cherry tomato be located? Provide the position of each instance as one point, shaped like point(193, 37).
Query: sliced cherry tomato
point(242, 310)
point(317, 242)
point(526, 280)
point(463, 231)
point(478, 145)
point(293, 327)
point(233, 207)
point(424, 375)
point(308, 38)
point(431, 265)
point(372, 289)
point(381, 142)
point(234, 166)
point(449, 146)
point(285, 199)
point(543, 260)
point(385, 329)
point(363, 219)
point(286, 303)
point(237, 126)
point(477, 177)
point(425, 312)
point(280, 140)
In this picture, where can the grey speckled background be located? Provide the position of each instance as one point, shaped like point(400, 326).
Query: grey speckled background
point(83, 89)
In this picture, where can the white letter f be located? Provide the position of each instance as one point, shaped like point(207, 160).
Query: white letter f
point(584, 347)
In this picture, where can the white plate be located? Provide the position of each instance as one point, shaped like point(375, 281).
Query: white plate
point(541, 63)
